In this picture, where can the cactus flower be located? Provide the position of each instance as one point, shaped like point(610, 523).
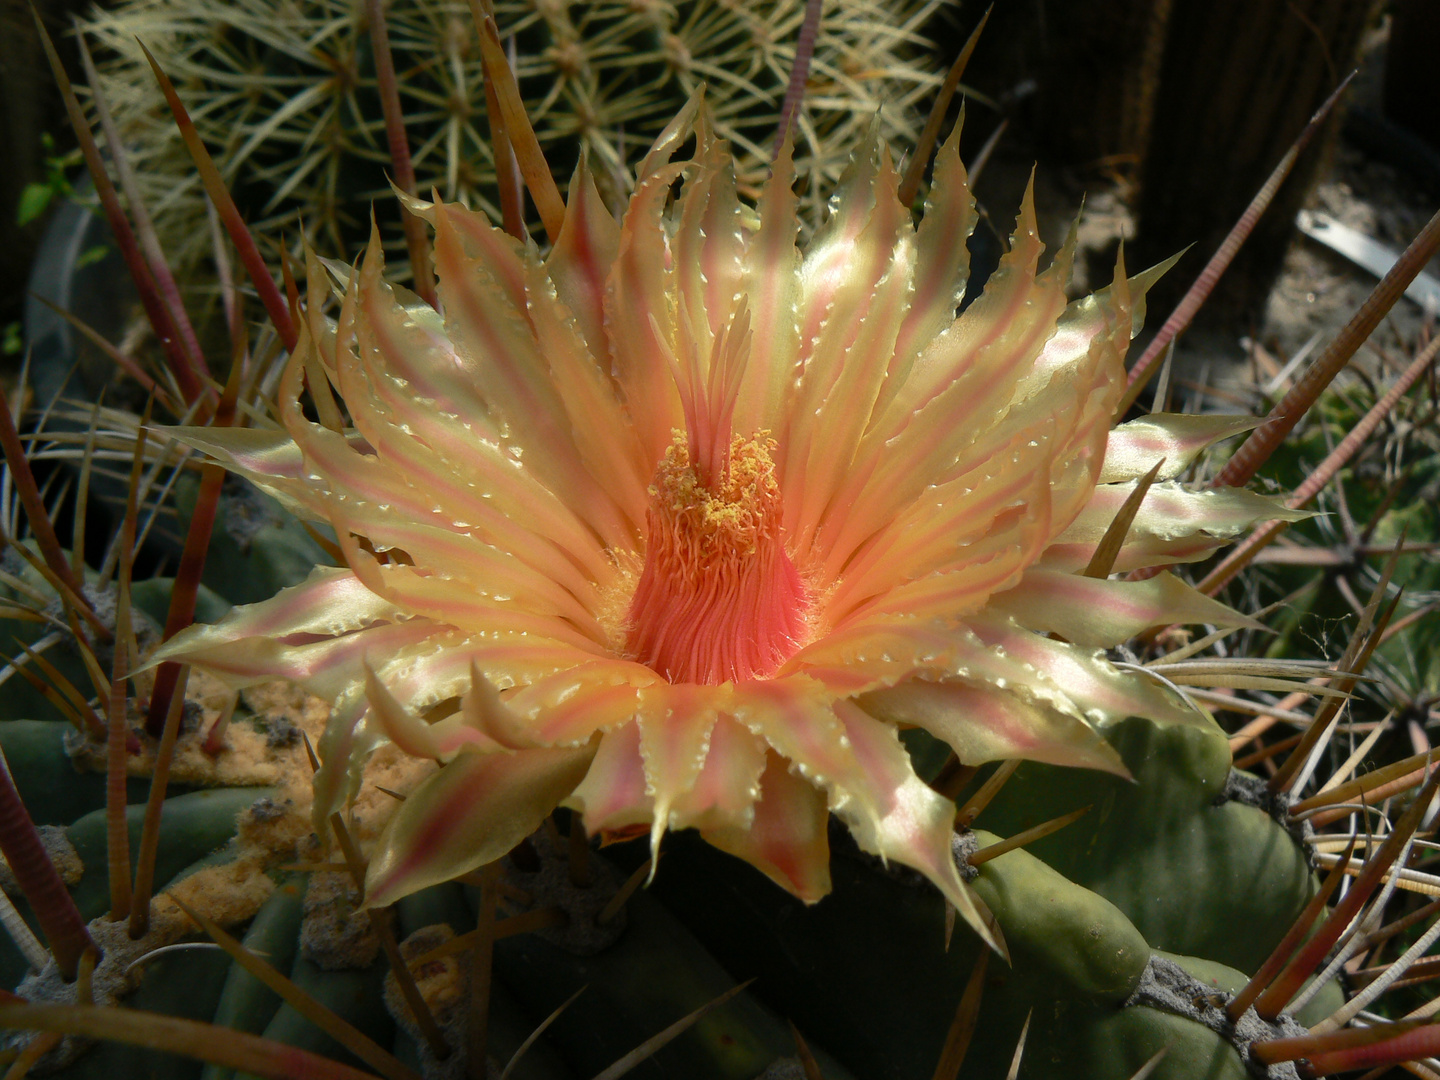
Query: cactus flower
point(678, 526)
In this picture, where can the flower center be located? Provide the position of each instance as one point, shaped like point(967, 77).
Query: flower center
point(718, 599)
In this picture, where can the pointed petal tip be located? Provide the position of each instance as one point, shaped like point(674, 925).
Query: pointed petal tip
point(977, 915)
point(472, 812)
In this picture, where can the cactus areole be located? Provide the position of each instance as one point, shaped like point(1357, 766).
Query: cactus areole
point(678, 525)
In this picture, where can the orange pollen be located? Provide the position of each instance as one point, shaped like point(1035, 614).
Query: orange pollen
point(718, 599)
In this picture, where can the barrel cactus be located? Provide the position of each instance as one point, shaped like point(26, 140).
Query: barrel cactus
point(809, 599)
point(286, 94)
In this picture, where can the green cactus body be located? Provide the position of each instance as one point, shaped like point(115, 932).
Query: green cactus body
point(1221, 882)
point(245, 1003)
point(284, 92)
point(1152, 867)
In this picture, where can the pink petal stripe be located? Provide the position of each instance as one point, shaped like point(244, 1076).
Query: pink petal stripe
point(708, 245)
point(1171, 512)
point(934, 531)
point(982, 724)
point(498, 359)
point(942, 262)
point(470, 813)
point(330, 601)
point(267, 452)
point(326, 668)
point(1178, 438)
point(376, 500)
point(724, 792)
point(1015, 307)
point(1146, 552)
point(417, 676)
point(895, 815)
point(480, 240)
point(880, 652)
point(473, 477)
point(638, 315)
point(787, 839)
point(796, 717)
point(954, 392)
point(825, 270)
point(1116, 312)
point(462, 458)
point(442, 601)
point(998, 564)
point(1102, 614)
point(412, 734)
point(607, 442)
point(834, 399)
point(675, 724)
point(772, 288)
point(613, 796)
point(569, 706)
point(1102, 692)
point(487, 574)
point(580, 261)
point(410, 343)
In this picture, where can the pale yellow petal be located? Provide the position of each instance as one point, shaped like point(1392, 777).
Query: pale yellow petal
point(614, 796)
point(1102, 613)
point(1177, 439)
point(983, 724)
point(787, 839)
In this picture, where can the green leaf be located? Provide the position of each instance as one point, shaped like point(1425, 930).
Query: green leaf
point(33, 201)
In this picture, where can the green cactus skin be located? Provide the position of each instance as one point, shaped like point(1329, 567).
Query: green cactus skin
point(187, 985)
point(196, 824)
point(352, 994)
point(245, 1003)
point(1042, 908)
point(656, 973)
point(510, 1024)
point(1220, 882)
point(1154, 865)
point(55, 792)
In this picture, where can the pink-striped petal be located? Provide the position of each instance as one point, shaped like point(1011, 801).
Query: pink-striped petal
point(413, 735)
point(324, 665)
point(607, 442)
point(1177, 438)
point(473, 811)
point(772, 287)
point(942, 262)
point(1102, 614)
point(579, 263)
point(614, 796)
point(856, 292)
point(418, 676)
point(723, 794)
point(638, 315)
point(1173, 524)
point(787, 839)
point(892, 813)
point(1061, 675)
point(954, 392)
point(675, 723)
point(569, 706)
point(983, 724)
point(329, 602)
